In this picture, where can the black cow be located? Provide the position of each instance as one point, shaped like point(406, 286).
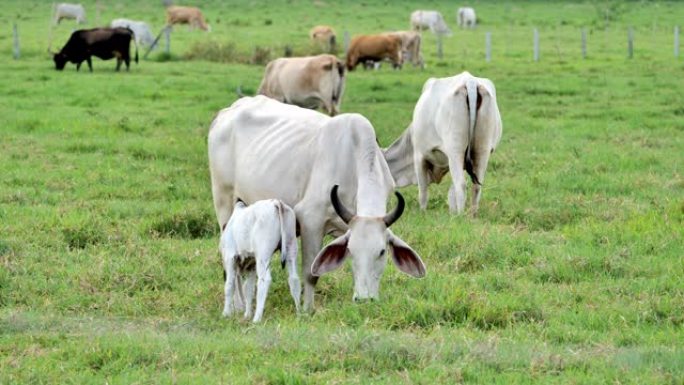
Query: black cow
point(105, 43)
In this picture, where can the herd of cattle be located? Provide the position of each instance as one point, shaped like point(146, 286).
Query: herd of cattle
point(279, 169)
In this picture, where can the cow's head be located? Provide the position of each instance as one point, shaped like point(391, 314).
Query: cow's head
point(367, 241)
point(60, 60)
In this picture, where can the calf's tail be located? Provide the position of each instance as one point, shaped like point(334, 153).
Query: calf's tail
point(288, 235)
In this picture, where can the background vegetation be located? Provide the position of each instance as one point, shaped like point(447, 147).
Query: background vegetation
point(572, 273)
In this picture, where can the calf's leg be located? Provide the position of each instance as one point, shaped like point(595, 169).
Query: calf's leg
point(248, 290)
point(263, 271)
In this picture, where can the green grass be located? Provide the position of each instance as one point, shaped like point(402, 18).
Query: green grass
point(572, 273)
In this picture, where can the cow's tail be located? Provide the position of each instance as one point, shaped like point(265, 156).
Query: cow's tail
point(135, 42)
point(333, 43)
point(337, 78)
point(471, 91)
point(288, 235)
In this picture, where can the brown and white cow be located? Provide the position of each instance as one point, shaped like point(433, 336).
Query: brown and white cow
point(192, 16)
point(309, 82)
point(324, 36)
point(375, 48)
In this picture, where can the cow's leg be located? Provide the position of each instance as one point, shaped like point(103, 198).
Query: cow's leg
point(127, 61)
point(312, 239)
point(78, 66)
point(293, 282)
point(457, 192)
point(263, 282)
point(420, 167)
point(90, 64)
point(248, 290)
point(480, 160)
point(118, 63)
point(223, 203)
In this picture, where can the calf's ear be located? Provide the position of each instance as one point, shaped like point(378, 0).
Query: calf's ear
point(405, 258)
point(331, 257)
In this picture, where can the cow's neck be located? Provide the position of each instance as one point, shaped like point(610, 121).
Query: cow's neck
point(399, 157)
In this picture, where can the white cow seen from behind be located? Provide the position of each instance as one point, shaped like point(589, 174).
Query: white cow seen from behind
point(465, 16)
point(69, 11)
point(456, 126)
point(248, 241)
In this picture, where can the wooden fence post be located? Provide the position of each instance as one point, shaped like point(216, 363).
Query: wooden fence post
point(584, 43)
point(15, 32)
point(488, 47)
point(676, 41)
point(630, 43)
point(167, 37)
point(536, 45)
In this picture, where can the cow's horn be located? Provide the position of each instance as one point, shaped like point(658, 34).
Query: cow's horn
point(342, 211)
point(396, 213)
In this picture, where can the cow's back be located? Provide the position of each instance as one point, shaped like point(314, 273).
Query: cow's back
point(263, 149)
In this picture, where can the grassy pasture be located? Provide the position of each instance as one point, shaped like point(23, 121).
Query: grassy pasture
point(572, 273)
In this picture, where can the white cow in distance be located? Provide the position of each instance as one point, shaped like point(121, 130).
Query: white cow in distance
point(456, 126)
point(465, 16)
point(432, 20)
point(260, 148)
point(248, 241)
point(69, 11)
point(141, 30)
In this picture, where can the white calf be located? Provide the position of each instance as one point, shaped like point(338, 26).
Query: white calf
point(250, 238)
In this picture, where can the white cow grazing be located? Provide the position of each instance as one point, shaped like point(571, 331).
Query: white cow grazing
point(456, 125)
point(431, 20)
point(466, 17)
point(142, 32)
point(263, 149)
point(69, 11)
point(250, 238)
point(309, 82)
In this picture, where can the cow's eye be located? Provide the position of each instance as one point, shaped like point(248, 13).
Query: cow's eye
point(382, 252)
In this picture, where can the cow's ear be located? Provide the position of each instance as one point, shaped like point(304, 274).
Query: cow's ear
point(328, 65)
point(405, 258)
point(331, 257)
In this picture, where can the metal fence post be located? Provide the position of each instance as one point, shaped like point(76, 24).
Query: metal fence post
point(488, 47)
point(15, 32)
point(584, 43)
point(630, 43)
point(440, 51)
point(676, 41)
point(346, 41)
point(536, 45)
point(167, 37)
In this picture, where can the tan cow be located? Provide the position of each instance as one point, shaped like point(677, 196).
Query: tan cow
point(324, 36)
point(309, 82)
point(375, 48)
point(192, 16)
point(410, 47)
